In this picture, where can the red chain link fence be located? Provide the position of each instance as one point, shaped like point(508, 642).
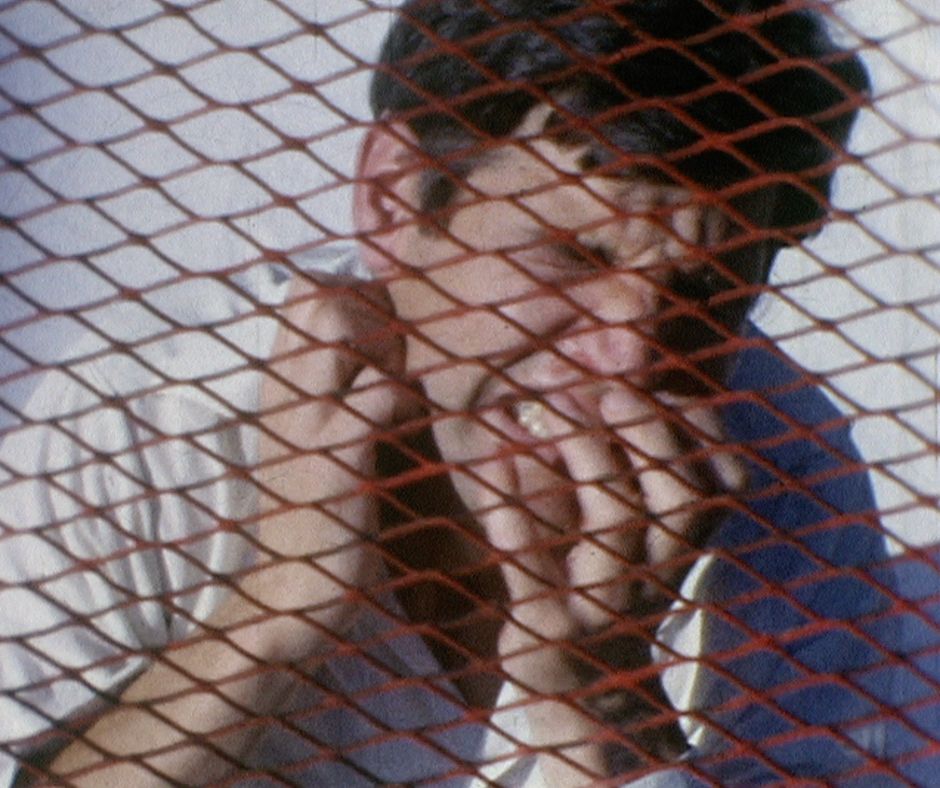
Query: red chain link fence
point(172, 170)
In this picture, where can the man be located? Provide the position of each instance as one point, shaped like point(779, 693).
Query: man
point(568, 209)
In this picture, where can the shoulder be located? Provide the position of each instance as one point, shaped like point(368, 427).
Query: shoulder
point(803, 442)
point(772, 395)
point(805, 467)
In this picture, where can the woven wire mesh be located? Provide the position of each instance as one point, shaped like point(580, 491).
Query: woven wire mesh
point(168, 168)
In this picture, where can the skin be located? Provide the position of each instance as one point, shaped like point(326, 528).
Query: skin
point(331, 380)
point(532, 293)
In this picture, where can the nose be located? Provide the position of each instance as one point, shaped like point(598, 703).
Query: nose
point(605, 340)
point(602, 350)
point(602, 341)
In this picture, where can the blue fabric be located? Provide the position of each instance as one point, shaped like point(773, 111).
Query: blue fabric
point(802, 641)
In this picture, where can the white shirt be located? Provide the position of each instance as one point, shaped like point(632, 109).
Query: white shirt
point(120, 479)
point(121, 512)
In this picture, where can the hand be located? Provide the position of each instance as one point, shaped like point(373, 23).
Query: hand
point(329, 392)
point(333, 389)
point(598, 513)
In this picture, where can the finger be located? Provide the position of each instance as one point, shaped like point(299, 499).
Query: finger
point(610, 521)
point(534, 643)
point(669, 488)
point(545, 491)
point(527, 568)
point(709, 430)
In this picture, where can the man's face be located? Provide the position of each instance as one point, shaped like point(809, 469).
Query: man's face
point(545, 278)
point(531, 315)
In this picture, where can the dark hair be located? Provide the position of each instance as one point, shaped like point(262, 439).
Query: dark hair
point(747, 95)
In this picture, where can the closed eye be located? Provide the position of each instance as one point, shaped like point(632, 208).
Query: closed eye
point(562, 252)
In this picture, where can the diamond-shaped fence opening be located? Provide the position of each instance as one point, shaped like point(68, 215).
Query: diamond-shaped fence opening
point(433, 448)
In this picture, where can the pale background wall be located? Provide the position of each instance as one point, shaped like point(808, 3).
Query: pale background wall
point(99, 171)
point(874, 275)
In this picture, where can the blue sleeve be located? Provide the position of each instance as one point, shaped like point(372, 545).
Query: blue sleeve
point(799, 636)
point(914, 578)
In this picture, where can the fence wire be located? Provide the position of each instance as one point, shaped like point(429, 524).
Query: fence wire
point(568, 581)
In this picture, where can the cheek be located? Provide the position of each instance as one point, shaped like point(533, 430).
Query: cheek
point(489, 225)
point(472, 279)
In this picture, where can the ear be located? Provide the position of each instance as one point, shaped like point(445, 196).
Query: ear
point(386, 191)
